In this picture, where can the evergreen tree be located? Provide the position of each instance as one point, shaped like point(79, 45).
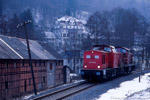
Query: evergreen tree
point(1, 7)
point(13, 27)
point(25, 16)
point(68, 12)
point(72, 6)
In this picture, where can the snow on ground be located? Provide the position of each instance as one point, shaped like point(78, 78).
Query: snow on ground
point(142, 95)
point(73, 74)
point(126, 89)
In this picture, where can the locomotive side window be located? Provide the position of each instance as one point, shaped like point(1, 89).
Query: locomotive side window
point(96, 57)
point(88, 56)
point(103, 59)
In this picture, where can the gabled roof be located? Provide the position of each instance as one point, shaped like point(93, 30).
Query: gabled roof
point(15, 48)
point(71, 19)
point(68, 18)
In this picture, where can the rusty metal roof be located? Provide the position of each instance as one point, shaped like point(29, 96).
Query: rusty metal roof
point(15, 48)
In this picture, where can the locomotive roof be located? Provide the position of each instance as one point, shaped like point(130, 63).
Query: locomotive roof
point(16, 48)
point(123, 48)
point(104, 46)
point(102, 51)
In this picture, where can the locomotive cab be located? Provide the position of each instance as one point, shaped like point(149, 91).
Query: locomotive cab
point(113, 59)
point(127, 56)
point(97, 60)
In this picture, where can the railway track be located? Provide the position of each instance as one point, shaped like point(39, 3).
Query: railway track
point(71, 90)
point(140, 71)
point(64, 93)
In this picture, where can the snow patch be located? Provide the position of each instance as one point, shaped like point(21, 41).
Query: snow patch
point(73, 74)
point(126, 89)
point(50, 35)
point(38, 17)
point(143, 95)
point(71, 19)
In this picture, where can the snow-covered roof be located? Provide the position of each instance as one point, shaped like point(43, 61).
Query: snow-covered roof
point(71, 19)
point(50, 35)
point(83, 21)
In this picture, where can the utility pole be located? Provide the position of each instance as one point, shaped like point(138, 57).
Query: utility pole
point(29, 53)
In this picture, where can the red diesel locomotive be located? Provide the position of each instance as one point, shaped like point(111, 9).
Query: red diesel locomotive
point(105, 61)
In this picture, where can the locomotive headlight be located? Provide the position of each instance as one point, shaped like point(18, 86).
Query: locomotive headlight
point(98, 66)
point(85, 66)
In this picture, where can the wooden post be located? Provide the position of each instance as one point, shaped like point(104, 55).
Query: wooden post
point(29, 53)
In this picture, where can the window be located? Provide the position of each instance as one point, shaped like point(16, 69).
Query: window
point(40, 63)
point(15, 64)
point(64, 35)
point(64, 31)
point(88, 56)
point(75, 27)
point(30, 81)
point(35, 63)
point(81, 60)
point(44, 79)
point(103, 59)
point(68, 35)
point(82, 35)
point(96, 57)
point(62, 63)
point(77, 60)
point(107, 49)
point(79, 35)
point(96, 48)
point(64, 26)
point(23, 63)
point(44, 63)
point(25, 85)
point(6, 85)
point(51, 66)
point(123, 51)
point(7, 64)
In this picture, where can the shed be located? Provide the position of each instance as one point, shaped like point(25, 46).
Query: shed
point(15, 74)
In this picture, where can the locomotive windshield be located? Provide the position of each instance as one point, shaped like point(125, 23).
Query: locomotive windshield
point(123, 50)
point(97, 48)
point(108, 49)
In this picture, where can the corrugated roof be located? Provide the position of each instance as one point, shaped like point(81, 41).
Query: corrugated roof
point(5, 52)
point(15, 48)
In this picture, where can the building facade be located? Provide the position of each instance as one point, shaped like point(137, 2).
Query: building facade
point(15, 72)
point(69, 31)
